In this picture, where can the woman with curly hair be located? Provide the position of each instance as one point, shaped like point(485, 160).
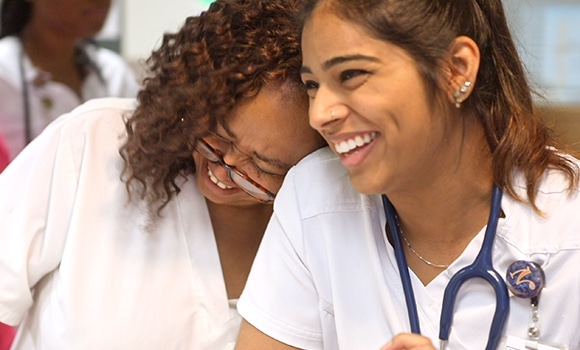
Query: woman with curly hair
point(132, 224)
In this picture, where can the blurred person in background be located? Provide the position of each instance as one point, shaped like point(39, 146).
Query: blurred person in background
point(49, 64)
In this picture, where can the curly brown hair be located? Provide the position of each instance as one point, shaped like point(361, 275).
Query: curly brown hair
point(197, 75)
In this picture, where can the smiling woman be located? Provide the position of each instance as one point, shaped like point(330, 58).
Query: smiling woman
point(135, 222)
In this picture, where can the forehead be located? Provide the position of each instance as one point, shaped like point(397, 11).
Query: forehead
point(325, 34)
point(268, 115)
point(329, 41)
point(274, 123)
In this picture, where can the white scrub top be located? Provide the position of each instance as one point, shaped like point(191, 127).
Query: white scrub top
point(49, 99)
point(325, 276)
point(81, 266)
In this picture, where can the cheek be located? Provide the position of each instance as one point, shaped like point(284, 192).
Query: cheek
point(273, 185)
point(198, 160)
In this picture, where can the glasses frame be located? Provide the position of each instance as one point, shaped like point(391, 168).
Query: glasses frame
point(204, 149)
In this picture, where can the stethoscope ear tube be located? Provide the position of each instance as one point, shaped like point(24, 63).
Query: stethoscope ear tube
point(393, 226)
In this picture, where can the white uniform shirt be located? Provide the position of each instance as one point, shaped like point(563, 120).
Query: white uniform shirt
point(78, 269)
point(49, 99)
point(326, 277)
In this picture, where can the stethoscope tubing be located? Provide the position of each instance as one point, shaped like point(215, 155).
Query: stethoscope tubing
point(402, 265)
point(25, 98)
point(482, 267)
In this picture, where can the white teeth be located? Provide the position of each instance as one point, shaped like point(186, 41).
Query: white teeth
point(348, 145)
point(216, 181)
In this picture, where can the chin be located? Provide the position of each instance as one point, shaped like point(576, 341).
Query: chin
point(364, 186)
point(235, 202)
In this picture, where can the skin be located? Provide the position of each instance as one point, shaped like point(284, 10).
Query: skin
point(55, 26)
point(430, 158)
point(409, 342)
point(263, 138)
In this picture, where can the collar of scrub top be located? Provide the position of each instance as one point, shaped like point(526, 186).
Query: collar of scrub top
point(482, 267)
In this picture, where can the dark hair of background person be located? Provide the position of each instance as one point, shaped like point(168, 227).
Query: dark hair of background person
point(197, 75)
point(14, 16)
point(502, 97)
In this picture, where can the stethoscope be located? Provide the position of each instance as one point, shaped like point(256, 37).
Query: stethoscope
point(482, 267)
point(82, 58)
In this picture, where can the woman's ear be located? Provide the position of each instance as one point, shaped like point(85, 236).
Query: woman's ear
point(462, 67)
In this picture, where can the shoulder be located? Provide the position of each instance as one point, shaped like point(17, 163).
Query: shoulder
point(120, 78)
point(99, 110)
point(319, 184)
point(9, 46)
point(100, 120)
point(110, 63)
point(9, 60)
point(554, 195)
point(100, 105)
point(559, 227)
point(87, 137)
point(105, 57)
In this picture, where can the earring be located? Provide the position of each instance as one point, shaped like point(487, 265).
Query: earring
point(459, 92)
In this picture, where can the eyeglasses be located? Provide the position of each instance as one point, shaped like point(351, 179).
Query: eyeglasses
point(243, 181)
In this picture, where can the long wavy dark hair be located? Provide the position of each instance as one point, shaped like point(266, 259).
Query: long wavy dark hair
point(14, 16)
point(502, 98)
point(197, 75)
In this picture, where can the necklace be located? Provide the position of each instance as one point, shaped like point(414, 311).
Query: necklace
point(439, 266)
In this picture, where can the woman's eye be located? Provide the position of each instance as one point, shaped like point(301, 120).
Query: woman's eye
point(350, 74)
point(266, 172)
point(261, 171)
point(311, 87)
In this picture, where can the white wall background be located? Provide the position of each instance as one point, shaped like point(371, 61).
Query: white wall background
point(548, 36)
point(547, 32)
point(144, 22)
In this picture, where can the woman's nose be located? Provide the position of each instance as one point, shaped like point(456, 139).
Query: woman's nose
point(325, 109)
point(229, 157)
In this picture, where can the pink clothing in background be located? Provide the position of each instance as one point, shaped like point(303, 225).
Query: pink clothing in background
point(4, 160)
point(6, 332)
point(6, 336)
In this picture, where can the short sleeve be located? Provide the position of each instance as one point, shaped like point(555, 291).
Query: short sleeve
point(280, 298)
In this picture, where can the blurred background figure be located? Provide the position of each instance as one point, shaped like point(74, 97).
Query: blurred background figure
point(49, 64)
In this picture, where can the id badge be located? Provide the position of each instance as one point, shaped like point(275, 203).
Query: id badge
point(515, 343)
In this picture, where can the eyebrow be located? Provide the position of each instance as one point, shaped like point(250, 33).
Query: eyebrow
point(340, 59)
point(275, 162)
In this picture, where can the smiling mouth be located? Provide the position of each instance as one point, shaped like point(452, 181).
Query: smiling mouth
point(216, 181)
point(349, 146)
